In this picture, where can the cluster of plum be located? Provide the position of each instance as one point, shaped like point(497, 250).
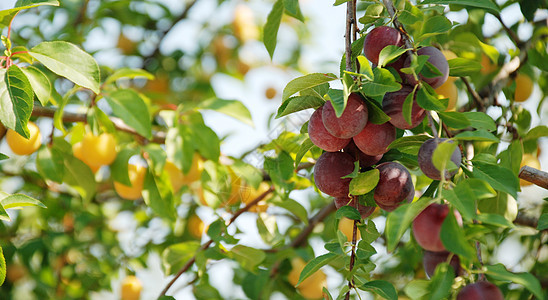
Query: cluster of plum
point(352, 137)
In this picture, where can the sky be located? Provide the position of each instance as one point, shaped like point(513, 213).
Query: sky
point(327, 41)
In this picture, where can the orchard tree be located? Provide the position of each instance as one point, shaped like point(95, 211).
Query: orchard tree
point(416, 158)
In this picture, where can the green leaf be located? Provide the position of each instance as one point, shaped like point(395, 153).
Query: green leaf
point(315, 264)
point(442, 156)
point(248, 258)
point(441, 282)
point(429, 101)
point(338, 100)
point(232, 108)
point(480, 120)
point(417, 289)
point(130, 107)
point(40, 84)
point(461, 67)
point(495, 219)
point(543, 222)
point(158, 196)
point(16, 100)
point(375, 113)
point(408, 106)
point(383, 82)
point(530, 282)
point(349, 212)
point(306, 82)
point(3, 214)
point(305, 147)
point(128, 73)
point(293, 9)
point(8, 14)
point(298, 103)
point(206, 140)
point(372, 13)
point(369, 232)
point(2, 267)
point(389, 53)
point(280, 168)
point(175, 256)
point(50, 165)
point(502, 204)
point(80, 177)
point(400, 219)
point(537, 132)
point(18, 200)
point(500, 178)
point(293, 207)
point(409, 144)
point(382, 288)
point(477, 135)
point(270, 31)
point(454, 119)
point(453, 238)
point(67, 60)
point(488, 4)
point(364, 182)
point(410, 15)
point(119, 168)
point(434, 26)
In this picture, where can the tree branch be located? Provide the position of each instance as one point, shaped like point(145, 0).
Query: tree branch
point(535, 176)
point(312, 222)
point(206, 245)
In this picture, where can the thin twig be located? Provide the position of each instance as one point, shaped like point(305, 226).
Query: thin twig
point(475, 96)
point(535, 176)
point(513, 36)
point(206, 245)
point(312, 222)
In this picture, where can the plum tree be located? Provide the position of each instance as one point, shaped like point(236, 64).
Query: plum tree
point(131, 288)
point(365, 211)
point(481, 290)
point(136, 176)
point(321, 137)
point(395, 186)
point(377, 39)
point(392, 105)
point(352, 120)
point(329, 169)
point(364, 159)
point(438, 60)
point(427, 226)
point(22, 146)
point(374, 139)
point(425, 155)
point(431, 260)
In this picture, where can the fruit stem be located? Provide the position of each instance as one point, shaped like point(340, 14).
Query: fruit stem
point(353, 251)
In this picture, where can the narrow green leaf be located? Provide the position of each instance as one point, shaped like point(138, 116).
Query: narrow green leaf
point(453, 238)
point(454, 119)
point(293, 207)
point(39, 83)
point(158, 196)
point(417, 289)
point(442, 156)
point(19, 200)
point(464, 204)
point(80, 177)
point(305, 147)
point(408, 106)
point(429, 101)
point(364, 182)
point(248, 258)
point(315, 264)
point(130, 107)
point(128, 73)
point(175, 256)
point(537, 132)
point(441, 282)
point(409, 144)
point(500, 178)
point(530, 282)
point(372, 13)
point(119, 168)
point(337, 100)
point(543, 222)
point(349, 212)
point(16, 100)
point(67, 60)
point(293, 9)
point(477, 135)
point(232, 108)
point(480, 120)
point(298, 103)
point(495, 219)
point(306, 82)
point(369, 232)
point(376, 114)
point(382, 288)
point(461, 67)
point(435, 25)
point(2, 267)
point(3, 214)
point(50, 165)
point(488, 4)
point(400, 219)
point(270, 34)
point(8, 14)
point(383, 82)
point(389, 53)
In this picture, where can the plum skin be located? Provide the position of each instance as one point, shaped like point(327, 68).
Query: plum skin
point(437, 59)
point(321, 137)
point(427, 226)
point(377, 39)
point(481, 290)
point(395, 186)
point(392, 105)
point(424, 157)
point(365, 211)
point(374, 139)
point(329, 169)
point(431, 260)
point(364, 159)
point(352, 120)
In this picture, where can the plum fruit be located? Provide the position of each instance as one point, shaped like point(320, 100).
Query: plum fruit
point(365, 160)
point(365, 211)
point(425, 159)
point(431, 260)
point(392, 105)
point(374, 139)
point(377, 39)
point(352, 120)
point(395, 186)
point(329, 169)
point(481, 290)
point(427, 226)
point(438, 60)
point(321, 137)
